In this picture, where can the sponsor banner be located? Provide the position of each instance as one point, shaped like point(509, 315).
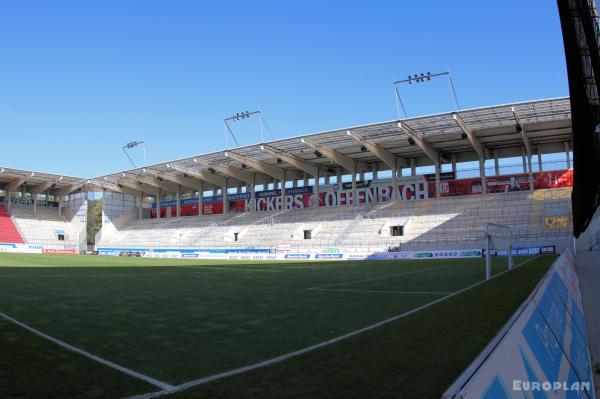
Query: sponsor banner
point(408, 188)
point(450, 254)
point(29, 201)
point(189, 255)
point(24, 248)
point(543, 350)
point(59, 251)
point(329, 256)
point(444, 176)
point(295, 198)
point(524, 251)
point(253, 257)
point(296, 256)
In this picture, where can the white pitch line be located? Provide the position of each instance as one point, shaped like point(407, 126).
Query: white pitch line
point(277, 359)
point(384, 292)
point(377, 278)
point(160, 384)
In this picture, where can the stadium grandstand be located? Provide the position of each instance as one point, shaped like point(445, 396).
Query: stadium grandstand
point(420, 184)
point(456, 259)
point(41, 212)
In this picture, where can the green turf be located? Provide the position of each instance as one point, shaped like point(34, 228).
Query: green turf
point(180, 320)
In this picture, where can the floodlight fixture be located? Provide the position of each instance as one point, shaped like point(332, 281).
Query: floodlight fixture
point(420, 78)
point(131, 145)
point(245, 115)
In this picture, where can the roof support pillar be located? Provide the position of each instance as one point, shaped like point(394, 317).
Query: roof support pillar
point(252, 202)
point(374, 170)
point(453, 160)
point(438, 186)
point(568, 154)
point(225, 200)
point(413, 167)
point(34, 202)
point(8, 198)
point(141, 208)
point(496, 163)
point(283, 199)
point(395, 183)
point(158, 204)
point(200, 199)
point(354, 196)
point(178, 198)
point(524, 158)
point(316, 187)
point(482, 175)
point(539, 157)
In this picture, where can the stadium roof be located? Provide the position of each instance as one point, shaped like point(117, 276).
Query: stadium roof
point(13, 179)
point(540, 126)
point(463, 135)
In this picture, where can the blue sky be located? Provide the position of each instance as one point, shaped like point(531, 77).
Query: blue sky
point(80, 79)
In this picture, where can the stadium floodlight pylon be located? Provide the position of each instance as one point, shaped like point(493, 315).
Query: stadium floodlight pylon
point(420, 78)
point(496, 235)
point(246, 115)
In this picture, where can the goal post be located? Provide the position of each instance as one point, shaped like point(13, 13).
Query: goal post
point(497, 236)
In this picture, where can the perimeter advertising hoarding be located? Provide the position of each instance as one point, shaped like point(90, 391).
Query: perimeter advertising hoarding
point(36, 249)
point(409, 188)
point(266, 254)
point(543, 351)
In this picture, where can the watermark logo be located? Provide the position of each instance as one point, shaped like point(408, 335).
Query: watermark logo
point(519, 385)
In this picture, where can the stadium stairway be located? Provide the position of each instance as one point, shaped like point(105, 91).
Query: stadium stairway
point(8, 229)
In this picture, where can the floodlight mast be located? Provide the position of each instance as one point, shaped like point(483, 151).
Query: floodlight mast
point(245, 115)
point(131, 145)
point(421, 78)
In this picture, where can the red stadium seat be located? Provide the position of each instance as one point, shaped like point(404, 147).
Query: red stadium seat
point(8, 230)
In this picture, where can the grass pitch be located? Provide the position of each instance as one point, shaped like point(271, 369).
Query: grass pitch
point(180, 320)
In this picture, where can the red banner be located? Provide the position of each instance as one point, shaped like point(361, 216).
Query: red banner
point(59, 251)
point(409, 188)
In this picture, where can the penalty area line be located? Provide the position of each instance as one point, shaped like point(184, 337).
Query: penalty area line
point(132, 373)
point(277, 359)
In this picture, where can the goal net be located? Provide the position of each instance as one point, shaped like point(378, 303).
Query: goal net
point(498, 239)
